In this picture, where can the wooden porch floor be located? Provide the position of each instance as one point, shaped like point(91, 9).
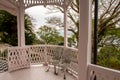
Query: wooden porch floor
point(34, 73)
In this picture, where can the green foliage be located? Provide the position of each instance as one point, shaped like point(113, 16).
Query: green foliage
point(72, 42)
point(8, 29)
point(109, 34)
point(49, 35)
point(4, 53)
point(30, 36)
point(108, 30)
point(109, 56)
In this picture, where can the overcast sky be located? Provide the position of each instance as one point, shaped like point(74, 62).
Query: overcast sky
point(39, 13)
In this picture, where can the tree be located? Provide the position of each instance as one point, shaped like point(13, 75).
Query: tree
point(73, 15)
point(109, 12)
point(49, 35)
point(54, 21)
point(108, 26)
point(30, 36)
point(108, 16)
point(8, 29)
point(108, 33)
point(72, 41)
point(109, 57)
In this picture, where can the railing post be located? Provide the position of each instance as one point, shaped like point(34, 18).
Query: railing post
point(84, 49)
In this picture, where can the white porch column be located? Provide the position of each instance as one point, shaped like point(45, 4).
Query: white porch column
point(84, 55)
point(20, 23)
point(65, 28)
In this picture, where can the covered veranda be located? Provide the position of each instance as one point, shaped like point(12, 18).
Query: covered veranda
point(24, 56)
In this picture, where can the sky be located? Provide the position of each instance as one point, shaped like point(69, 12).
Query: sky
point(39, 13)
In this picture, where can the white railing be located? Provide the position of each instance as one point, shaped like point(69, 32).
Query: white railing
point(74, 62)
point(37, 54)
point(20, 57)
point(44, 53)
point(102, 73)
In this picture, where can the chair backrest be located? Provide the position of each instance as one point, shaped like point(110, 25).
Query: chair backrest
point(66, 56)
point(57, 54)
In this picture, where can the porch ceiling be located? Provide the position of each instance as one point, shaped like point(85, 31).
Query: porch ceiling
point(62, 3)
point(13, 5)
point(8, 6)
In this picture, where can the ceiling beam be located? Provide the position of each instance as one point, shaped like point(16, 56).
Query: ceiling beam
point(7, 6)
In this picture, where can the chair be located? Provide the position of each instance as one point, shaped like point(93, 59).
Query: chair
point(65, 61)
point(56, 57)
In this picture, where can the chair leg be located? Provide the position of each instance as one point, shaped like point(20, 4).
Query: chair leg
point(55, 70)
point(47, 68)
point(64, 77)
point(64, 74)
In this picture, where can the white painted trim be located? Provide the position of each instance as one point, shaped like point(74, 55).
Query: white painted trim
point(84, 49)
point(6, 5)
point(102, 73)
point(30, 3)
point(21, 26)
point(65, 28)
